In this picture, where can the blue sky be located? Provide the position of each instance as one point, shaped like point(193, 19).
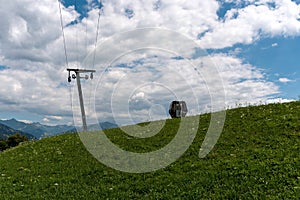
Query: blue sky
point(254, 44)
point(278, 58)
point(278, 61)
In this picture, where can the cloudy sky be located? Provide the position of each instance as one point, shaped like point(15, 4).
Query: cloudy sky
point(193, 51)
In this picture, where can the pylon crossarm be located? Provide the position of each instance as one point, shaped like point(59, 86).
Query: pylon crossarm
point(77, 77)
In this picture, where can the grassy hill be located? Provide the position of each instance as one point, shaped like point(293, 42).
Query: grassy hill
point(256, 157)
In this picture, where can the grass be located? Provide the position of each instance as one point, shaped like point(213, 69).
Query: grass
point(256, 157)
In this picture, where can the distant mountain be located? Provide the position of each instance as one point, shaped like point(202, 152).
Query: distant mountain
point(95, 127)
point(53, 130)
point(36, 129)
point(103, 126)
point(6, 131)
point(39, 130)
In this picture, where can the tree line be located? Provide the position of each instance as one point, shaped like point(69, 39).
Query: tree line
point(12, 141)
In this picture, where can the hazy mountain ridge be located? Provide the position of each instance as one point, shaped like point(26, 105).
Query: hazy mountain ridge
point(36, 129)
point(6, 131)
point(39, 130)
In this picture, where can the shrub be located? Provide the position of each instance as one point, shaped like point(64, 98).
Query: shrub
point(3, 145)
point(16, 139)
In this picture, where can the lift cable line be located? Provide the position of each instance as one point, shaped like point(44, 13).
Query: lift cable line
point(77, 71)
point(100, 11)
point(97, 33)
point(77, 49)
point(78, 77)
point(63, 33)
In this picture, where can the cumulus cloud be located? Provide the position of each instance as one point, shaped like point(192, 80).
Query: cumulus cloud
point(285, 80)
point(279, 100)
point(50, 120)
point(258, 19)
point(141, 83)
point(34, 76)
point(26, 121)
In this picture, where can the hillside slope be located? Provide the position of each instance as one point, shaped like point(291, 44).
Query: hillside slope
point(256, 157)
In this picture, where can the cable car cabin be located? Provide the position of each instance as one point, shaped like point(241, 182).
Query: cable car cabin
point(178, 109)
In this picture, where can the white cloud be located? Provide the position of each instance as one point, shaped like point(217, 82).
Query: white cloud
point(28, 27)
point(254, 21)
point(55, 117)
point(26, 121)
point(46, 120)
point(31, 45)
point(52, 120)
point(279, 100)
point(285, 80)
point(151, 79)
point(138, 96)
point(243, 82)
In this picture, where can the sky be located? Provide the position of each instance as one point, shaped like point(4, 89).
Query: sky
point(146, 53)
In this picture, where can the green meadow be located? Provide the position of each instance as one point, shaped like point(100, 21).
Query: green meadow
point(256, 157)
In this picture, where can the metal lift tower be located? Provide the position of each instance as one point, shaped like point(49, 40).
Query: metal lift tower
point(77, 77)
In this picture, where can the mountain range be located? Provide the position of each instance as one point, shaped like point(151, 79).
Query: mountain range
point(38, 131)
point(6, 131)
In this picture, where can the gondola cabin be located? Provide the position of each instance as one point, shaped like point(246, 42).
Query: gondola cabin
point(178, 109)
